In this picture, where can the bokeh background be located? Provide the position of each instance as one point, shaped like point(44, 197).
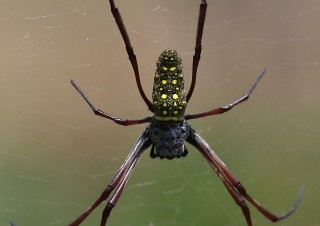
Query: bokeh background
point(56, 156)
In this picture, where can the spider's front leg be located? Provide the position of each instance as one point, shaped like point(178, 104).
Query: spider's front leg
point(118, 181)
point(195, 140)
point(233, 185)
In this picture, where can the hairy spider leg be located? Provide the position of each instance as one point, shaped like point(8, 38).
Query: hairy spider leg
point(232, 183)
point(228, 107)
point(116, 195)
point(129, 48)
point(237, 184)
point(123, 122)
point(142, 144)
point(198, 47)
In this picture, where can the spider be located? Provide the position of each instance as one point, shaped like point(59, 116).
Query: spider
point(169, 128)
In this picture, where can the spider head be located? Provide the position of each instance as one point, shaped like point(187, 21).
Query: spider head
point(168, 138)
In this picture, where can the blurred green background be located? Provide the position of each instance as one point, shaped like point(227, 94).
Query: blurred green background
point(56, 156)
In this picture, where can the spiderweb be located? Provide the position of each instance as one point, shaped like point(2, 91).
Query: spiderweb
point(56, 156)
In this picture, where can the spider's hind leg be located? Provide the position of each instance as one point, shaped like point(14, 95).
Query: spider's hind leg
point(132, 57)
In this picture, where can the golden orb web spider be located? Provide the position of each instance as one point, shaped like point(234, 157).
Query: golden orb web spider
point(168, 128)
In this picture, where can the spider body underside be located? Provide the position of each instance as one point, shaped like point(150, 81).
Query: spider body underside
point(169, 127)
point(168, 138)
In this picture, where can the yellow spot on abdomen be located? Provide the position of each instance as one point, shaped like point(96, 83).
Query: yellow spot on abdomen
point(174, 82)
point(172, 68)
point(175, 96)
point(164, 82)
point(164, 68)
point(175, 112)
point(164, 112)
point(163, 96)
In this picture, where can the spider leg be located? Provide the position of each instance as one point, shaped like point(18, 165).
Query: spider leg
point(228, 107)
point(215, 161)
point(234, 194)
point(142, 144)
point(116, 195)
point(129, 48)
point(124, 122)
point(198, 47)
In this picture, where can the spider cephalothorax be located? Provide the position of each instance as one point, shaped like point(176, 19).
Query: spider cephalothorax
point(168, 138)
point(169, 128)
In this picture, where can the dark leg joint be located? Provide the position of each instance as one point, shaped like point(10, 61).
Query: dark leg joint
point(246, 212)
point(106, 213)
point(241, 189)
point(106, 192)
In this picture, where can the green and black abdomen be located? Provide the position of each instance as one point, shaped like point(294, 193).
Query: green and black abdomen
point(168, 129)
point(169, 100)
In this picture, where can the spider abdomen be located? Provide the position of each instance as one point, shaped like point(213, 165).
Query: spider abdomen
point(169, 100)
point(168, 138)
